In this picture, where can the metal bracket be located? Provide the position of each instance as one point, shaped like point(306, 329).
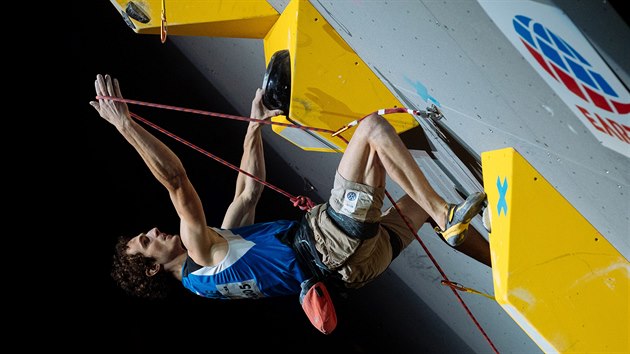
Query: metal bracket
point(434, 112)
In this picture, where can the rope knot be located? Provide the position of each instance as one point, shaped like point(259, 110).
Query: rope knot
point(302, 202)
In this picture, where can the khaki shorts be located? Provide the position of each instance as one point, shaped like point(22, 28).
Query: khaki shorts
point(357, 261)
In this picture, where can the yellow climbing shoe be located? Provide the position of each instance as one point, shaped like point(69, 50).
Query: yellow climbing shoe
point(459, 216)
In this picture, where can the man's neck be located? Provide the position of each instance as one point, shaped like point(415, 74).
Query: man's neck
point(175, 266)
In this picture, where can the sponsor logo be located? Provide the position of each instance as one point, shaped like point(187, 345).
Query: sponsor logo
point(567, 66)
point(502, 188)
point(567, 61)
point(595, 101)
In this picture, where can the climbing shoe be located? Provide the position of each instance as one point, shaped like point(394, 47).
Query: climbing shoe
point(459, 216)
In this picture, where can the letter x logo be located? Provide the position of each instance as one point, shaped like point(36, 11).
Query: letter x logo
point(502, 187)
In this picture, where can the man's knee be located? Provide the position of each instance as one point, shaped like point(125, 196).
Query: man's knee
point(374, 119)
point(373, 125)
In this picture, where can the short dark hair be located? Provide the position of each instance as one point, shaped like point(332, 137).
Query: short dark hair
point(129, 272)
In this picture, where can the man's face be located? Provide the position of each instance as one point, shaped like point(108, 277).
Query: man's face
point(155, 244)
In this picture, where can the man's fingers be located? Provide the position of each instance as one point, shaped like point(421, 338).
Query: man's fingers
point(259, 94)
point(273, 113)
point(117, 89)
point(95, 105)
point(102, 85)
point(98, 85)
point(110, 86)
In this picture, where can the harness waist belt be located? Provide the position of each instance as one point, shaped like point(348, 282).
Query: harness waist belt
point(304, 246)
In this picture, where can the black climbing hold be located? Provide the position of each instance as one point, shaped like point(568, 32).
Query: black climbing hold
point(137, 13)
point(277, 82)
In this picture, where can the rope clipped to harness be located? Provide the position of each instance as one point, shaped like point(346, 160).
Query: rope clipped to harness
point(302, 202)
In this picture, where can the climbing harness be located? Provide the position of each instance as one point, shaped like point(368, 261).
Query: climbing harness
point(304, 203)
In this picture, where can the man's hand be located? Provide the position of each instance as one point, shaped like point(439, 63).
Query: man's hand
point(114, 112)
point(259, 111)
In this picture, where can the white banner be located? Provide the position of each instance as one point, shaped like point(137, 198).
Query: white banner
point(563, 57)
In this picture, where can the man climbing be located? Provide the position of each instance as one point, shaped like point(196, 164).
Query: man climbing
point(347, 238)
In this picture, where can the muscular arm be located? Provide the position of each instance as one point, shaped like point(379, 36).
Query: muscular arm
point(241, 211)
point(162, 162)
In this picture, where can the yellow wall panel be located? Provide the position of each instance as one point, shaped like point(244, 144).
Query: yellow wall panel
point(559, 278)
point(331, 86)
point(212, 18)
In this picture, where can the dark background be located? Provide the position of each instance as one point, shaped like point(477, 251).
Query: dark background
point(113, 193)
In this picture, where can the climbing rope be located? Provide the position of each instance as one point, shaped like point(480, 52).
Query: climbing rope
point(220, 115)
point(304, 203)
point(442, 273)
point(432, 111)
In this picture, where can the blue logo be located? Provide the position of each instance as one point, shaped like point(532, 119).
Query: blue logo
point(565, 65)
point(502, 203)
point(351, 196)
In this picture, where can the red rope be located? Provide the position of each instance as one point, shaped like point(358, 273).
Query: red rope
point(214, 114)
point(304, 203)
point(437, 266)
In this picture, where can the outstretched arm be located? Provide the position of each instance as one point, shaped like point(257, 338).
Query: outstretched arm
point(241, 211)
point(163, 163)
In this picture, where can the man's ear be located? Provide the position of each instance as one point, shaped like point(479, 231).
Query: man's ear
point(153, 269)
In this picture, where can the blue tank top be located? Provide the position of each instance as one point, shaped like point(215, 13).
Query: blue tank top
point(257, 265)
